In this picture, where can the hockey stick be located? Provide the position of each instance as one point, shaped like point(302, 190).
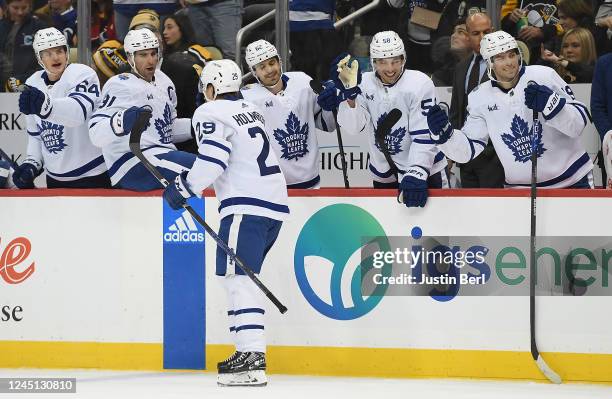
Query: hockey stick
point(382, 130)
point(317, 87)
point(8, 159)
point(139, 127)
point(535, 353)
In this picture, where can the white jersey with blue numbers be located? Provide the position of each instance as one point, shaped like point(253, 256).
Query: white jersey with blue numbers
point(502, 116)
point(292, 118)
point(127, 90)
point(60, 141)
point(234, 155)
point(408, 141)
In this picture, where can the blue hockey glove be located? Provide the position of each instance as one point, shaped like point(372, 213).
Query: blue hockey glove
point(122, 122)
point(178, 192)
point(34, 102)
point(24, 175)
point(328, 98)
point(413, 188)
point(346, 76)
point(542, 99)
point(440, 129)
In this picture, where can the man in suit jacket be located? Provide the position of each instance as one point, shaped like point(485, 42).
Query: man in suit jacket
point(485, 171)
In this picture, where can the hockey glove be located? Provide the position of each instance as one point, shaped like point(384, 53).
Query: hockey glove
point(346, 76)
point(24, 175)
point(440, 129)
point(34, 102)
point(413, 188)
point(122, 122)
point(178, 192)
point(542, 99)
point(328, 98)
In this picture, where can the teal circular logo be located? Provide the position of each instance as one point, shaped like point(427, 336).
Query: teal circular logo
point(328, 261)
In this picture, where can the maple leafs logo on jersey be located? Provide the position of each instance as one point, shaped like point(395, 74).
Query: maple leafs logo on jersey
point(164, 126)
point(519, 140)
point(394, 139)
point(52, 136)
point(293, 141)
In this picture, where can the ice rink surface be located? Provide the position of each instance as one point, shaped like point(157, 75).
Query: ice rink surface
point(180, 385)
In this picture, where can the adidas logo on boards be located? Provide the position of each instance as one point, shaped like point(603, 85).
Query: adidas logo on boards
point(184, 229)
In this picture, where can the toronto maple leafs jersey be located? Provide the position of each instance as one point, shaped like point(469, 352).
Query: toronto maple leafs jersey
point(503, 117)
point(408, 141)
point(60, 141)
point(234, 155)
point(292, 118)
point(127, 90)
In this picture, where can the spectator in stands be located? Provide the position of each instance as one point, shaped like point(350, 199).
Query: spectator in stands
point(102, 23)
point(572, 14)
point(314, 41)
point(17, 60)
point(61, 15)
point(576, 62)
point(178, 33)
point(218, 22)
point(601, 109)
point(125, 10)
point(534, 24)
point(109, 60)
point(447, 52)
point(603, 26)
point(485, 171)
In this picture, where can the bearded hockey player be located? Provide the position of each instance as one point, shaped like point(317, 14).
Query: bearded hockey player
point(502, 109)
point(127, 95)
point(291, 112)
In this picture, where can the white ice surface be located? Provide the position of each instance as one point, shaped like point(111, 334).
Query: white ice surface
point(194, 385)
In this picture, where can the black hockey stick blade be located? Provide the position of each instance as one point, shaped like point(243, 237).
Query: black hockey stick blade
point(316, 86)
point(8, 159)
point(135, 135)
point(385, 126)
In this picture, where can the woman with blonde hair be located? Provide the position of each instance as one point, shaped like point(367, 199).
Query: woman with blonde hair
point(576, 62)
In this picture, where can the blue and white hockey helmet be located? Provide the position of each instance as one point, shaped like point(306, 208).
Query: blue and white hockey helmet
point(386, 44)
point(224, 75)
point(47, 38)
point(259, 51)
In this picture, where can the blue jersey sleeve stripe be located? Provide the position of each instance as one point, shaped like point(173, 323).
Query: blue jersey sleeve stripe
point(81, 95)
point(249, 310)
point(212, 160)
point(580, 111)
point(100, 116)
point(422, 141)
point(218, 145)
point(80, 171)
point(439, 156)
point(417, 132)
point(579, 163)
point(82, 107)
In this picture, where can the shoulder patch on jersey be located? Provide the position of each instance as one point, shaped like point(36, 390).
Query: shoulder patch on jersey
point(123, 76)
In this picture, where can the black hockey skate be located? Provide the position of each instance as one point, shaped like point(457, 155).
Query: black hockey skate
point(243, 369)
point(224, 365)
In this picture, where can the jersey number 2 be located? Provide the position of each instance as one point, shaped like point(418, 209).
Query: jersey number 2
point(264, 170)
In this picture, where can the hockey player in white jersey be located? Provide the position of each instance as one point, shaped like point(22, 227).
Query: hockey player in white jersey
point(58, 102)
point(502, 109)
point(291, 111)
point(368, 101)
point(234, 155)
point(127, 95)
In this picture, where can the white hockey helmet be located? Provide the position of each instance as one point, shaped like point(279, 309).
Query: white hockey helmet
point(496, 43)
point(224, 75)
point(259, 51)
point(386, 44)
point(47, 38)
point(140, 39)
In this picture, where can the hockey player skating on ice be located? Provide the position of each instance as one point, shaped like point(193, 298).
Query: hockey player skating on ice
point(502, 109)
point(58, 102)
point(290, 108)
point(369, 100)
point(234, 155)
point(127, 95)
